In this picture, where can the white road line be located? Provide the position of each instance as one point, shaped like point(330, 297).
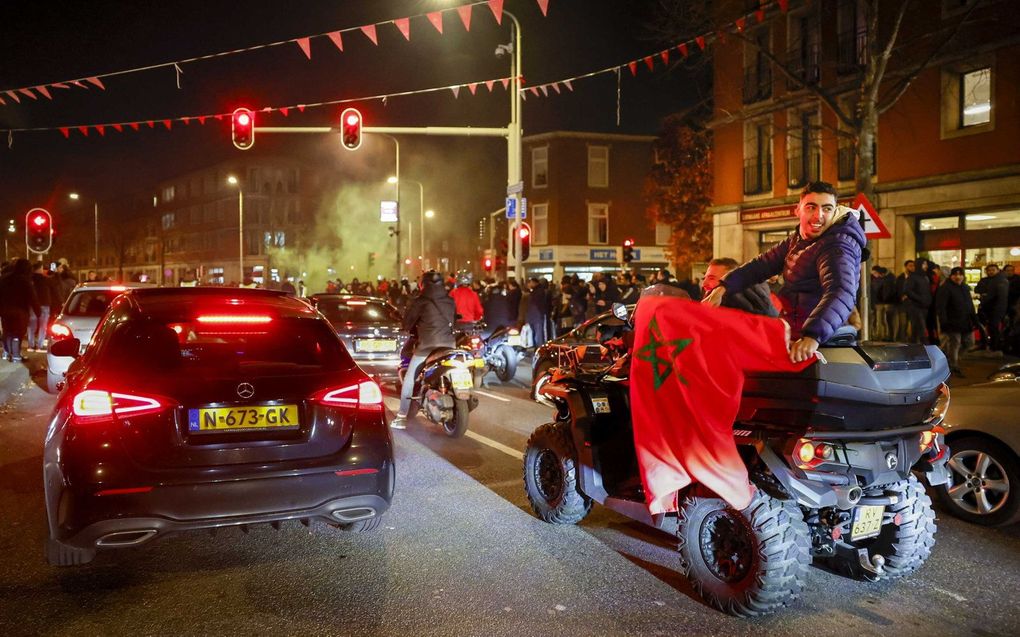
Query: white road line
point(489, 442)
point(959, 598)
point(493, 396)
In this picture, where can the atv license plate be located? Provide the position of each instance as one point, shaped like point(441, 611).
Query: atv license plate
point(461, 379)
point(867, 522)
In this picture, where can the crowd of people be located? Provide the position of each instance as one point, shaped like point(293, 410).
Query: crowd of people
point(924, 305)
point(31, 294)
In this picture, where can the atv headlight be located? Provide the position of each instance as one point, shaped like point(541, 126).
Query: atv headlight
point(941, 406)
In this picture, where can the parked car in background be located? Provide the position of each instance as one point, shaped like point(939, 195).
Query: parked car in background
point(983, 434)
point(370, 328)
point(78, 319)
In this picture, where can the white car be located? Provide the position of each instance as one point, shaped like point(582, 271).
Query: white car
point(78, 319)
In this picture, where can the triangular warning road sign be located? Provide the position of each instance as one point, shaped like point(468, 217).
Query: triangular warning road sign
point(873, 226)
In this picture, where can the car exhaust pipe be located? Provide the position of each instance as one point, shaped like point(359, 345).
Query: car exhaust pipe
point(353, 515)
point(848, 497)
point(126, 538)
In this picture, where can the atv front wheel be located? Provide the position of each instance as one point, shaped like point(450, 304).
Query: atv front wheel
point(550, 476)
point(744, 563)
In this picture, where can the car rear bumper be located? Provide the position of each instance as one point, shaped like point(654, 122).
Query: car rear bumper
point(380, 368)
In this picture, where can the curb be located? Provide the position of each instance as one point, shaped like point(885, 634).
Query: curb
point(13, 378)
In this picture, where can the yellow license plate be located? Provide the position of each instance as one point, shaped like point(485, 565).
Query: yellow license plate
point(376, 345)
point(253, 418)
point(867, 522)
point(514, 340)
point(461, 379)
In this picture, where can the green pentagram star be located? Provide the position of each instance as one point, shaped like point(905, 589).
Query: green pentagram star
point(662, 366)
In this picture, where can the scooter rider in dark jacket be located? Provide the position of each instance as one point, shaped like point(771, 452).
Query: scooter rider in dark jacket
point(820, 264)
point(430, 317)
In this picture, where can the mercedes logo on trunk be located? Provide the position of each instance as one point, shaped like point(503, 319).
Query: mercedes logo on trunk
point(245, 390)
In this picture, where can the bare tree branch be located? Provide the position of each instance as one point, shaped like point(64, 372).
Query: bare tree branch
point(883, 61)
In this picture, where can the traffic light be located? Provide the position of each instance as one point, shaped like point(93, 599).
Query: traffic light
point(371, 259)
point(628, 250)
point(38, 230)
point(487, 264)
point(524, 232)
point(350, 128)
point(242, 128)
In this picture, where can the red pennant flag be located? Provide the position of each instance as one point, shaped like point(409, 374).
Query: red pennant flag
point(186, 120)
point(28, 92)
point(201, 120)
point(78, 84)
point(556, 87)
point(336, 39)
point(473, 86)
point(284, 110)
point(543, 6)
point(760, 15)
point(14, 96)
point(569, 86)
point(456, 91)
point(66, 132)
point(84, 130)
point(301, 108)
point(59, 85)
point(701, 41)
point(436, 18)
point(497, 10)
point(96, 81)
point(545, 90)
point(306, 46)
point(506, 82)
point(465, 16)
point(151, 124)
point(119, 128)
point(369, 31)
point(682, 47)
point(650, 63)
point(101, 130)
point(404, 24)
point(2, 102)
point(741, 23)
point(267, 109)
point(44, 92)
point(167, 123)
point(697, 356)
point(534, 91)
point(784, 5)
point(665, 56)
point(488, 84)
point(633, 67)
point(133, 125)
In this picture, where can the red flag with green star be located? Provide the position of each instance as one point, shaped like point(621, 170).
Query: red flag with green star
point(686, 377)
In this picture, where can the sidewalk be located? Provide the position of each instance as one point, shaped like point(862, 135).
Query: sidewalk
point(978, 365)
point(14, 377)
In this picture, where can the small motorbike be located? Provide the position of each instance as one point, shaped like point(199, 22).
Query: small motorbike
point(443, 388)
point(498, 349)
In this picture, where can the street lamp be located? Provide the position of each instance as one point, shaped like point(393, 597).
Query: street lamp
point(95, 226)
point(233, 181)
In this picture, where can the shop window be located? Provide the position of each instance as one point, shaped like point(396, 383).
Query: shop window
point(540, 167)
point(768, 239)
point(663, 233)
point(939, 223)
point(598, 224)
point(1000, 256)
point(598, 166)
point(991, 220)
point(540, 224)
point(967, 98)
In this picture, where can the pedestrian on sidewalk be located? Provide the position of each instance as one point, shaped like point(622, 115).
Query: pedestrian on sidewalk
point(957, 318)
point(17, 302)
point(916, 300)
point(993, 289)
point(40, 317)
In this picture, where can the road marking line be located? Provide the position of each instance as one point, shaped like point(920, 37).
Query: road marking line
point(959, 598)
point(493, 396)
point(489, 442)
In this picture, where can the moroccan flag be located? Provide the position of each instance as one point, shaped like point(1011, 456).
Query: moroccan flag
point(686, 377)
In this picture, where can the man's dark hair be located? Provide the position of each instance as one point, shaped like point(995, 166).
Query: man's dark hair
point(992, 265)
point(822, 187)
point(726, 262)
point(956, 271)
point(907, 262)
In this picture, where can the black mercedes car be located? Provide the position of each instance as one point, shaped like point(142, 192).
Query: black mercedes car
point(369, 327)
point(199, 408)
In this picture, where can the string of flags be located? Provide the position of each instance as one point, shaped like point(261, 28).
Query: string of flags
point(304, 44)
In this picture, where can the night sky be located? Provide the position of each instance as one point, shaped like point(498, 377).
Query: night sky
point(42, 42)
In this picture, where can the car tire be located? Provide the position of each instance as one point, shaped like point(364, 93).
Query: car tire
point(550, 476)
point(60, 554)
point(770, 535)
point(459, 425)
point(509, 368)
point(965, 501)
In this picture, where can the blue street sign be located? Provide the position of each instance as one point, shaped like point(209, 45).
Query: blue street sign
point(511, 208)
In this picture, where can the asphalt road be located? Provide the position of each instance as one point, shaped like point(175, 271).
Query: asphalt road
point(458, 554)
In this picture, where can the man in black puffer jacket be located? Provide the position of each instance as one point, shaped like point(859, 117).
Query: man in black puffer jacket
point(820, 264)
point(916, 299)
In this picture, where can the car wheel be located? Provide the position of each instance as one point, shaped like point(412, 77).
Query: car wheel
point(984, 476)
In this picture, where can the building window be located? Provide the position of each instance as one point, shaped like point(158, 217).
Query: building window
point(540, 167)
point(804, 50)
point(757, 157)
point(757, 72)
point(540, 224)
point(168, 221)
point(598, 166)
point(851, 36)
point(976, 97)
point(993, 220)
point(939, 223)
point(168, 194)
point(598, 223)
point(967, 90)
point(663, 233)
point(803, 147)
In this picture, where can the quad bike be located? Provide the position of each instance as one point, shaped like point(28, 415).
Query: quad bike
point(830, 452)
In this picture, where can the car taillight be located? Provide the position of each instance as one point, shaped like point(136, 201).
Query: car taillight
point(365, 395)
point(234, 319)
point(96, 405)
point(809, 454)
point(59, 331)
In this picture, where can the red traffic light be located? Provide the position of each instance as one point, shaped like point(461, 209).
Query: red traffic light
point(242, 128)
point(487, 264)
point(525, 232)
point(39, 220)
point(38, 230)
point(628, 243)
point(350, 128)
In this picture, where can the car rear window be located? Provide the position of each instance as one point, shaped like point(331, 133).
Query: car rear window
point(90, 302)
point(300, 345)
point(357, 311)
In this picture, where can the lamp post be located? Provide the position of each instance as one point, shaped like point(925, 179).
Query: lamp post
point(396, 182)
point(234, 181)
point(95, 227)
point(514, 169)
point(422, 213)
point(11, 229)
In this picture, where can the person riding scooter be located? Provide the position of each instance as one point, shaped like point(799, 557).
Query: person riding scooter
point(430, 317)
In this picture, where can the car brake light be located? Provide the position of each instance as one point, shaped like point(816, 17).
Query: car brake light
point(119, 288)
point(96, 405)
point(59, 331)
point(810, 454)
point(364, 395)
point(235, 319)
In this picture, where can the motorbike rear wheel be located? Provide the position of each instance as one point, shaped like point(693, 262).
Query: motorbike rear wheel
point(458, 426)
point(506, 367)
point(744, 563)
point(550, 476)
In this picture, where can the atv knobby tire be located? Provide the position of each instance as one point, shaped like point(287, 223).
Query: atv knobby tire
point(550, 476)
point(744, 563)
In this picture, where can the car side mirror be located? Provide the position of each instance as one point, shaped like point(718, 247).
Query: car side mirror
point(620, 311)
point(66, 347)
